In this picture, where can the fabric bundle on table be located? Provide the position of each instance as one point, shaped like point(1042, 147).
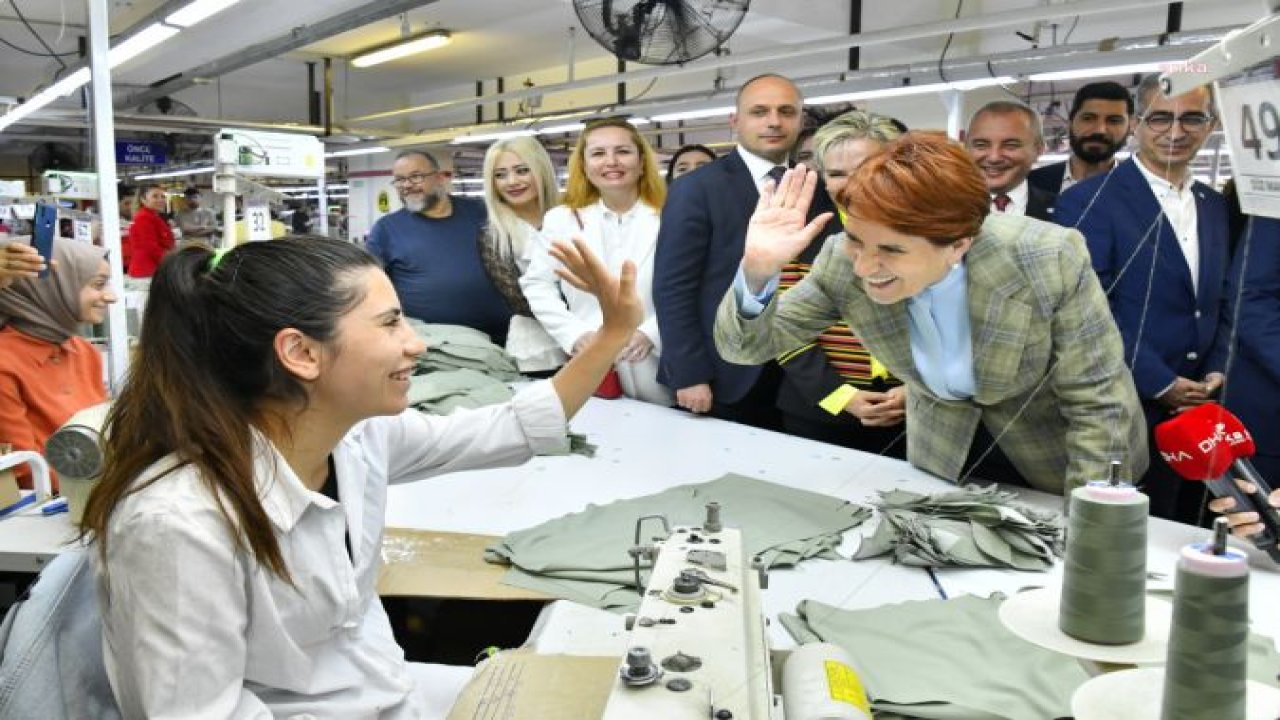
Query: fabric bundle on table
point(970, 527)
point(455, 347)
point(583, 556)
point(944, 660)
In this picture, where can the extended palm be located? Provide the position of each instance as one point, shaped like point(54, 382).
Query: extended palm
point(619, 303)
point(778, 231)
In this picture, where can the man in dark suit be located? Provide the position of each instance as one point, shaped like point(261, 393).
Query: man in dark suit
point(704, 225)
point(1252, 390)
point(1005, 138)
point(1100, 121)
point(1158, 241)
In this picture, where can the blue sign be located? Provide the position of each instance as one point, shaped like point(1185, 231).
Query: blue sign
point(134, 152)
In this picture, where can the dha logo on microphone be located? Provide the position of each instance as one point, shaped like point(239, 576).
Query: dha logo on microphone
point(1219, 436)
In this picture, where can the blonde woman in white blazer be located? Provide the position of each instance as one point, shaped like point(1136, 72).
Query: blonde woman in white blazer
point(613, 200)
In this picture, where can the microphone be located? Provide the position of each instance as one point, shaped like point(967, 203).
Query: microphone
point(1206, 441)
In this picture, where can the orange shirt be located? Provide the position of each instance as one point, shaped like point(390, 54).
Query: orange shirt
point(41, 386)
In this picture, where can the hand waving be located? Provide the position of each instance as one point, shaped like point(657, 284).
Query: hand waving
point(621, 306)
point(777, 231)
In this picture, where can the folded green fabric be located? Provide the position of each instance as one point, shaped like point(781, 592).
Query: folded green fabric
point(944, 659)
point(583, 556)
point(454, 347)
point(970, 527)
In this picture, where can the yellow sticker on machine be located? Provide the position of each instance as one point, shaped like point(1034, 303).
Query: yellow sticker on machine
point(845, 685)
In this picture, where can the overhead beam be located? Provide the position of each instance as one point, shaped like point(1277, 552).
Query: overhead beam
point(297, 38)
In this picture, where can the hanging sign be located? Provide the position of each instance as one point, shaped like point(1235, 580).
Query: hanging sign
point(138, 152)
point(1250, 110)
point(257, 218)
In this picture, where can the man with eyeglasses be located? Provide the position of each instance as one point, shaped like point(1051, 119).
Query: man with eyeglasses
point(1158, 241)
point(430, 250)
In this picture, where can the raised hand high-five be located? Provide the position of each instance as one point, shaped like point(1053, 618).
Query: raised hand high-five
point(778, 232)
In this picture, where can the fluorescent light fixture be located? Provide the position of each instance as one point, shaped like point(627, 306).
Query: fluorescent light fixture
point(958, 85)
point(693, 114)
point(1080, 74)
point(554, 129)
point(403, 48)
point(197, 11)
point(486, 137)
point(358, 151)
point(310, 188)
point(174, 173)
point(639, 121)
point(62, 88)
point(151, 36)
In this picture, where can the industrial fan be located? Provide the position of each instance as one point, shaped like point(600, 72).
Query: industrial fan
point(661, 32)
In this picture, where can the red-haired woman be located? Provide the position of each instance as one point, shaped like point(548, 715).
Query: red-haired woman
point(996, 324)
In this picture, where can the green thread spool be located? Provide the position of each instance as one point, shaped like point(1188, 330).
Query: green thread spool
point(1207, 665)
point(1105, 572)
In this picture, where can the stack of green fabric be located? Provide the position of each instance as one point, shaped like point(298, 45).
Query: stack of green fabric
point(443, 391)
point(970, 527)
point(454, 347)
point(583, 556)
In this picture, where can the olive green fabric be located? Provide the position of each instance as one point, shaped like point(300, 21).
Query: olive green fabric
point(944, 659)
point(971, 527)
point(455, 347)
point(583, 556)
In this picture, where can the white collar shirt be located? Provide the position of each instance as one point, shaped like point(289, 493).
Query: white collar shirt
point(758, 167)
point(1018, 196)
point(193, 627)
point(1179, 206)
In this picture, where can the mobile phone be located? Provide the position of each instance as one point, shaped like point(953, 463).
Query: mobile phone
point(44, 228)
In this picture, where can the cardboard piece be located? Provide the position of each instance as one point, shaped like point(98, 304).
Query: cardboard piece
point(522, 685)
point(427, 563)
point(8, 482)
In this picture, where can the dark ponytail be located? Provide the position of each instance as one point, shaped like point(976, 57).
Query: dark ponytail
point(205, 364)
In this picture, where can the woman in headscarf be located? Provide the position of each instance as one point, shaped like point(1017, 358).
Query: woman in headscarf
point(47, 371)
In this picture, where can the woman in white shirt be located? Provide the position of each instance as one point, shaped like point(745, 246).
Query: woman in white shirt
point(239, 517)
point(519, 187)
point(613, 201)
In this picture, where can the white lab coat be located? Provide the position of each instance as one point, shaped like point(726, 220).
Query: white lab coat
point(193, 627)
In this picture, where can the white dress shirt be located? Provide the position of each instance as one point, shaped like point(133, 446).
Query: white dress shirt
point(194, 627)
point(1018, 196)
point(569, 313)
point(758, 167)
point(1179, 206)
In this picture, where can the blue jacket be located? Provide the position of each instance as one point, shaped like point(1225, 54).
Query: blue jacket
point(700, 243)
point(1252, 390)
point(1169, 328)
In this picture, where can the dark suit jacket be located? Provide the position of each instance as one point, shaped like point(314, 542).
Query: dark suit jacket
point(1252, 390)
point(1040, 203)
point(1048, 178)
point(700, 243)
point(1169, 328)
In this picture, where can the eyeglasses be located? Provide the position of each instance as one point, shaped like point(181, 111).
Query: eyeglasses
point(413, 179)
point(1190, 122)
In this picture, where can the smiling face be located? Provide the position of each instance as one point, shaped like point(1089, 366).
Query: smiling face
point(894, 266)
point(611, 160)
point(515, 182)
point(767, 118)
point(366, 368)
point(95, 296)
point(843, 159)
point(1172, 149)
point(1005, 147)
point(420, 185)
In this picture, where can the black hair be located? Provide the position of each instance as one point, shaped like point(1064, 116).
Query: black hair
point(425, 154)
point(1105, 90)
point(693, 147)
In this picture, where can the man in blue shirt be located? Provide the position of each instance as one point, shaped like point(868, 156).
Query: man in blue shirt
point(430, 250)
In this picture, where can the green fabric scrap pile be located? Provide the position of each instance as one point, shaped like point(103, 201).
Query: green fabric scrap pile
point(454, 347)
point(583, 556)
point(970, 527)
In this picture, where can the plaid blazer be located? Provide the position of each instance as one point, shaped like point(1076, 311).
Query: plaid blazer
point(1051, 382)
